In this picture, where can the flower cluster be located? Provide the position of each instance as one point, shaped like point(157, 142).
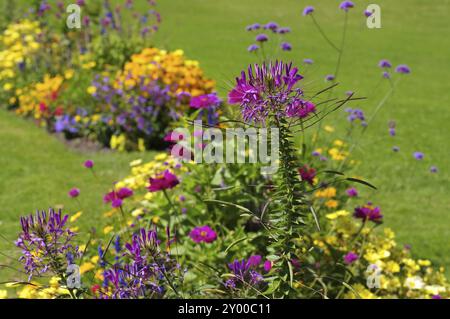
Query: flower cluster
point(261, 38)
point(46, 243)
point(269, 91)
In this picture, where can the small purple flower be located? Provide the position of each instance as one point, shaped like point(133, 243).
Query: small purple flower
point(205, 101)
point(308, 61)
point(262, 37)
point(350, 258)
point(284, 30)
point(253, 48)
point(308, 10)
point(203, 234)
point(418, 156)
point(273, 26)
point(89, 164)
point(352, 192)
point(74, 192)
point(384, 64)
point(368, 212)
point(386, 75)
point(285, 46)
point(267, 265)
point(255, 26)
point(346, 5)
point(436, 297)
point(403, 69)
point(367, 13)
point(330, 77)
point(433, 169)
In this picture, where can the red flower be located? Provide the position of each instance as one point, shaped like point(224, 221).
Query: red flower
point(307, 174)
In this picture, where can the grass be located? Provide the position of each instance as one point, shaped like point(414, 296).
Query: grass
point(37, 170)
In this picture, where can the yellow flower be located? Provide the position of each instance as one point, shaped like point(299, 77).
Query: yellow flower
point(85, 267)
point(7, 86)
point(331, 203)
point(328, 192)
point(337, 214)
point(69, 74)
point(329, 128)
point(392, 267)
point(3, 294)
point(108, 229)
point(92, 90)
point(423, 262)
point(74, 217)
point(338, 143)
point(137, 212)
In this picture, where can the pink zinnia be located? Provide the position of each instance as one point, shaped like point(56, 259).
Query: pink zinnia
point(167, 181)
point(74, 192)
point(203, 234)
point(116, 197)
point(350, 258)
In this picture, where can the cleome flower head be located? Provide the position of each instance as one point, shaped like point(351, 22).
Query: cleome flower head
point(269, 90)
point(45, 242)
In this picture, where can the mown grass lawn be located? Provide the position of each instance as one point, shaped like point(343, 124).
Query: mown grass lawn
point(36, 170)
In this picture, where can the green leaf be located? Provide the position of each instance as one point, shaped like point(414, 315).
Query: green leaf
point(333, 172)
point(242, 208)
point(351, 179)
point(313, 211)
point(235, 243)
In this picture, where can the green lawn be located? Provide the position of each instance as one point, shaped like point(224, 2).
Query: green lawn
point(37, 170)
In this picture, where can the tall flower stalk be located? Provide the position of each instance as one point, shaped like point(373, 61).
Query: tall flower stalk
point(268, 95)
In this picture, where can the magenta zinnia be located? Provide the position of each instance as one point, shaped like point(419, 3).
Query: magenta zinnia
point(203, 234)
point(368, 212)
point(269, 90)
point(166, 181)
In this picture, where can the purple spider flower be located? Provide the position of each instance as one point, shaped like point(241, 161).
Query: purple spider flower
point(350, 258)
point(300, 108)
point(308, 61)
point(308, 10)
point(433, 169)
point(346, 5)
point(266, 90)
point(46, 243)
point(329, 77)
point(386, 75)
